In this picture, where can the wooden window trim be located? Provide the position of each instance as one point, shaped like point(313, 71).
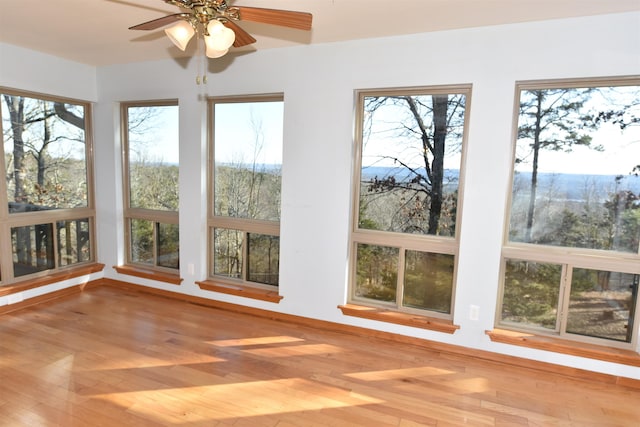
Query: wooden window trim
point(559, 345)
point(240, 290)
point(399, 318)
point(53, 276)
point(148, 273)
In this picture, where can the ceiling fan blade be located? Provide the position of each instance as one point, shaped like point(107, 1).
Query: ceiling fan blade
point(160, 22)
point(283, 18)
point(242, 37)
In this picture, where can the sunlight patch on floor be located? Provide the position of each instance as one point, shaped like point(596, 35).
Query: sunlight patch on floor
point(392, 374)
point(224, 401)
point(295, 350)
point(255, 341)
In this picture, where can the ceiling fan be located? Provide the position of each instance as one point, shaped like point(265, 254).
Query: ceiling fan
point(216, 21)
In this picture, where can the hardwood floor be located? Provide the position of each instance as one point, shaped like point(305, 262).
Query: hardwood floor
point(110, 357)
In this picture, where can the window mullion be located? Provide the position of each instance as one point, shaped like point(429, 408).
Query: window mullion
point(564, 299)
point(400, 281)
point(156, 236)
point(56, 253)
point(245, 256)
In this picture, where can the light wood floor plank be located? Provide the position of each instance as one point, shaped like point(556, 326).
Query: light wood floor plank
point(110, 357)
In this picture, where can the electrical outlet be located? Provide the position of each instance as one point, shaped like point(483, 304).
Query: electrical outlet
point(191, 269)
point(474, 312)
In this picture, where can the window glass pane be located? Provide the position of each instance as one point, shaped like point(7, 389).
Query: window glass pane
point(227, 252)
point(142, 241)
point(376, 272)
point(263, 259)
point(428, 281)
point(248, 159)
point(411, 154)
point(602, 304)
point(73, 241)
point(32, 248)
point(44, 154)
point(531, 292)
point(576, 180)
point(168, 243)
point(153, 157)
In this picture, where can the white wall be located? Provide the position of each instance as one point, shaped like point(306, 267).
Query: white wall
point(37, 72)
point(318, 83)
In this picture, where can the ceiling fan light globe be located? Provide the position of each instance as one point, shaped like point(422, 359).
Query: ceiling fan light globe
point(180, 34)
point(220, 40)
point(214, 26)
point(216, 53)
point(228, 37)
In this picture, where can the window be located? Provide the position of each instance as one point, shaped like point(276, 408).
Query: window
point(409, 157)
point(49, 216)
point(571, 261)
point(151, 184)
point(245, 179)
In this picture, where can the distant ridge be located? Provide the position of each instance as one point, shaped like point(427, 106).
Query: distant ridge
point(573, 186)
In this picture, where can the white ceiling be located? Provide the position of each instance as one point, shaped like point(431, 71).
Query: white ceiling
point(96, 32)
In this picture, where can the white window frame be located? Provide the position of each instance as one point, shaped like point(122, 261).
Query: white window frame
point(47, 217)
point(243, 225)
point(156, 217)
point(567, 257)
point(404, 242)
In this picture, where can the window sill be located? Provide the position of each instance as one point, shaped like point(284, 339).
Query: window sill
point(558, 345)
point(52, 277)
point(147, 273)
point(405, 319)
point(240, 290)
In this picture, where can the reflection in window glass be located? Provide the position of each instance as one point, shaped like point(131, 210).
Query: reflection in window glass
point(428, 281)
point(263, 259)
point(32, 248)
point(73, 241)
point(531, 293)
point(576, 180)
point(602, 304)
point(45, 154)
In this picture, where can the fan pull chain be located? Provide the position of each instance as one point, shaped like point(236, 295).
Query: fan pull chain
point(200, 55)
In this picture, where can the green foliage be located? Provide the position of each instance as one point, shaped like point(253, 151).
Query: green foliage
point(428, 281)
point(376, 272)
point(263, 259)
point(168, 245)
point(611, 225)
point(142, 235)
point(531, 293)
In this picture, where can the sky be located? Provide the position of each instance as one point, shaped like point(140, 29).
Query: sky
point(242, 128)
